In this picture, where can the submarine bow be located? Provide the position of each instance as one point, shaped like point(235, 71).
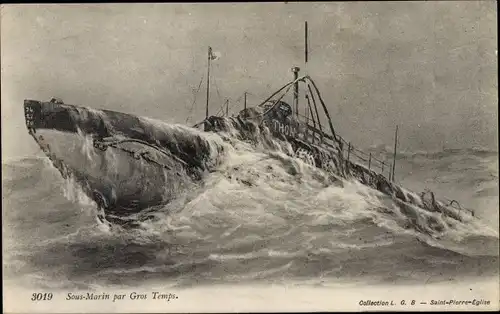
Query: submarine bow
point(123, 162)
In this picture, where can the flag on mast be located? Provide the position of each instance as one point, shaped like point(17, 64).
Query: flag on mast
point(213, 55)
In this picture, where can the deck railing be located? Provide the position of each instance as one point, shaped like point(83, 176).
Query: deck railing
point(349, 151)
point(353, 154)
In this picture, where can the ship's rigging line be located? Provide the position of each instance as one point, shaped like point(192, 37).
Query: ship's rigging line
point(217, 88)
point(194, 101)
point(196, 94)
point(232, 103)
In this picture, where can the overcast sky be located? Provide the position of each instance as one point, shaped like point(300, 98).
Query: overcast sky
point(430, 67)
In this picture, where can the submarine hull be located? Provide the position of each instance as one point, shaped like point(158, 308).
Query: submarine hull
point(123, 163)
point(127, 163)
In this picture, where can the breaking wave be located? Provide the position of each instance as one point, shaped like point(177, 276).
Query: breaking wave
point(258, 215)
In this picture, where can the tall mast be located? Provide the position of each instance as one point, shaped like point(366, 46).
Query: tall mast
point(245, 101)
point(306, 107)
point(295, 71)
point(306, 47)
point(394, 157)
point(208, 79)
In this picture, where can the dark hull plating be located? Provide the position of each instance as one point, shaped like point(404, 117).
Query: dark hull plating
point(127, 164)
point(124, 163)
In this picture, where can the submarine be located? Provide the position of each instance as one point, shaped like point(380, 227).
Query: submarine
point(128, 164)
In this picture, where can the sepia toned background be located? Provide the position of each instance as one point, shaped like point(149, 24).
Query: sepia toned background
point(429, 67)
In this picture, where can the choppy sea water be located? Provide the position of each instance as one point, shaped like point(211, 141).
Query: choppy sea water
point(260, 218)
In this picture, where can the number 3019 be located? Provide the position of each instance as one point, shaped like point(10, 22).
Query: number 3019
point(41, 296)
